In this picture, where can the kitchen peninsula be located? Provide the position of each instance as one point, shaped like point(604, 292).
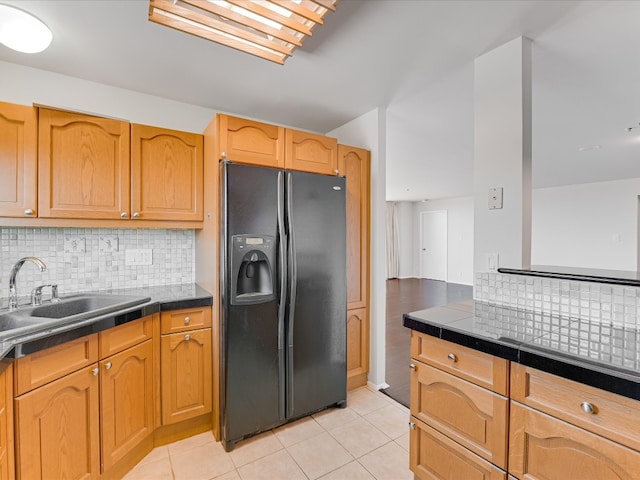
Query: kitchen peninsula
point(500, 389)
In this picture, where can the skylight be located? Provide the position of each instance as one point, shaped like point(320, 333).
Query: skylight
point(270, 29)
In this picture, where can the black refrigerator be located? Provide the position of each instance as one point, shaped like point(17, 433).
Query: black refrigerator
point(283, 297)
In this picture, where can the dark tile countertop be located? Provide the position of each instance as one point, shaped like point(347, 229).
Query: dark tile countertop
point(597, 354)
point(156, 299)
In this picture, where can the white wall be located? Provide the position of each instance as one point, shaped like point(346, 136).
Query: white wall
point(459, 236)
point(591, 225)
point(369, 131)
point(502, 154)
point(27, 86)
point(406, 246)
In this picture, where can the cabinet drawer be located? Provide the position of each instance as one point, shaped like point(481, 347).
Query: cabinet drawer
point(543, 447)
point(477, 367)
point(187, 319)
point(433, 456)
point(47, 365)
point(566, 399)
point(123, 336)
point(472, 416)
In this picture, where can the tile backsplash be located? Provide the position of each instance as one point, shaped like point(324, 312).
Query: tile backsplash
point(83, 259)
point(598, 302)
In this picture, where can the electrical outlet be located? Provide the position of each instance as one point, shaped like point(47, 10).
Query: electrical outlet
point(138, 256)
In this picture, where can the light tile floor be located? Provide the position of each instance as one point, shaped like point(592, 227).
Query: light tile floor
point(367, 440)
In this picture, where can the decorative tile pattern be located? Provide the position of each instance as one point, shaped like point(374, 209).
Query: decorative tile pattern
point(93, 269)
point(611, 304)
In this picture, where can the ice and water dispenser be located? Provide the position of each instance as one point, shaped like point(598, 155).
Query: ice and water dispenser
point(253, 269)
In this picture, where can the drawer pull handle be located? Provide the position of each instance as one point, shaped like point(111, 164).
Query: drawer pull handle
point(95, 371)
point(187, 320)
point(588, 408)
point(412, 366)
point(412, 425)
point(108, 365)
point(187, 337)
point(452, 357)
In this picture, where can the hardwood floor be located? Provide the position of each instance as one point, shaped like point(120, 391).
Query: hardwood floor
point(408, 295)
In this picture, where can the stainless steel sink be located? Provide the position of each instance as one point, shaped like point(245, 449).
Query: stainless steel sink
point(85, 306)
point(70, 309)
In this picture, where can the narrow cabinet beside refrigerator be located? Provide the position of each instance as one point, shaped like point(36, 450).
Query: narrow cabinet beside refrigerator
point(283, 302)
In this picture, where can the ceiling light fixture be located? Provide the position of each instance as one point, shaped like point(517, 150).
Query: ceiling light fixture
point(23, 32)
point(269, 29)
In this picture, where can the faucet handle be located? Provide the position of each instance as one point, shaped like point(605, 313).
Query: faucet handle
point(36, 294)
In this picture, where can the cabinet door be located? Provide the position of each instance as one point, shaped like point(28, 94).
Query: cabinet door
point(470, 415)
point(57, 431)
point(354, 163)
point(6, 421)
point(433, 456)
point(166, 174)
point(544, 448)
point(246, 141)
point(186, 364)
point(18, 147)
point(83, 166)
point(309, 152)
point(126, 394)
point(357, 347)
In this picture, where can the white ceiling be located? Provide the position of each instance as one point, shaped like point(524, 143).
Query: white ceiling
point(413, 58)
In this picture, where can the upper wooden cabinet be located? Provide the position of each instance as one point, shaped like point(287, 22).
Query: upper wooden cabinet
point(354, 164)
point(18, 147)
point(309, 152)
point(246, 141)
point(83, 166)
point(166, 174)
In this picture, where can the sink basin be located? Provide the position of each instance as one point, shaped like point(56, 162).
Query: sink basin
point(86, 305)
point(70, 309)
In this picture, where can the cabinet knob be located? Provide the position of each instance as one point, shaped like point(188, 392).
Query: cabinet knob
point(224, 155)
point(452, 357)
point(108, 365)
point(187, 337)
point(28, 212)
point(123, 215)
point(187, 320)
point(412, 366)
point(136, 215)
point(336, 171)
point(412, 425)
point(95, 371)
point(588, 408)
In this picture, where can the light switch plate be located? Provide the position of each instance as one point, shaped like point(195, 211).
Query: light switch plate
point(74, 244)
point(495, 198)
point(108, 243)
point(138, 256)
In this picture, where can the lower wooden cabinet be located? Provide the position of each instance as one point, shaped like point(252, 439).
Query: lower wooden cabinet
point(434, 456)
point(542, 447)
point(357, 347)
point(126, 395)
point(187, 363)
point(57, 429)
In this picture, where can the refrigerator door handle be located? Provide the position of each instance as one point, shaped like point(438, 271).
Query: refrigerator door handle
point(293, 280)
point(282, 277)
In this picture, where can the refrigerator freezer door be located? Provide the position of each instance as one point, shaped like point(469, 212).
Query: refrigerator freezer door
point(253, 351)
point(316, 332)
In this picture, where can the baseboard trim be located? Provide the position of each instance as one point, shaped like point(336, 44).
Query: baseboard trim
point(380, 386)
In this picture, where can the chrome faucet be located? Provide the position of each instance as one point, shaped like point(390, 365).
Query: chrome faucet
point(13, 293)
point(36, 294)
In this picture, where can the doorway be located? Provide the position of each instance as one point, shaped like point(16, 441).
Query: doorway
point(433, 245)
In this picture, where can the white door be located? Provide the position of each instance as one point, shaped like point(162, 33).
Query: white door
point(433, 245)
